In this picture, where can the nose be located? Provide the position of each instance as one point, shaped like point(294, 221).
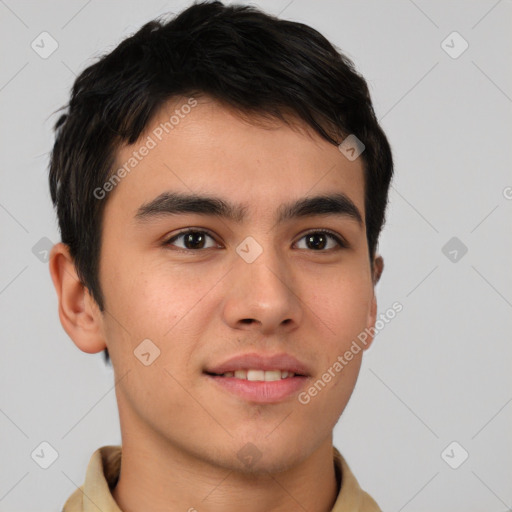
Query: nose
point(262, 295)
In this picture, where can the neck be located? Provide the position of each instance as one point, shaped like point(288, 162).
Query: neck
point(160, 476)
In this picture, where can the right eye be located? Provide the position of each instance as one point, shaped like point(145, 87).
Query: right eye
point(193, 240)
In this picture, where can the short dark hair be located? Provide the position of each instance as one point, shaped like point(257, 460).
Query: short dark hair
point(244, 58)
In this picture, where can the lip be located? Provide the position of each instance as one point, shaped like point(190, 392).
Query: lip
point(260, 391)
point(255, 361)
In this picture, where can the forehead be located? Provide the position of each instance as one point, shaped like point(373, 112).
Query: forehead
point(200, 147)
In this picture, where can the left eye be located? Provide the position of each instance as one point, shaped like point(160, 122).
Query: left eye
point(318, 239)
point(196, 239)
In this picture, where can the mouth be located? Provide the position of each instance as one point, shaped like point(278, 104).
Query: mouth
point(258, 375)
point(259, 386)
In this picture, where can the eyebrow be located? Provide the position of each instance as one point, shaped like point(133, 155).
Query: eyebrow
point(175, 203)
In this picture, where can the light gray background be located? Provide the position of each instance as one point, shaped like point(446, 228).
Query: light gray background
point(439, 372)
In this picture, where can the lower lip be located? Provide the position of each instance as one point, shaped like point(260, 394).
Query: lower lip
point(261, 391)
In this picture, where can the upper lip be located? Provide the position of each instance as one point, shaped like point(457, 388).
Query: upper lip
point(254, 361)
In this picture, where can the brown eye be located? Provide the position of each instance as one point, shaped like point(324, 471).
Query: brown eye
point(192, 240)
point(319, 240)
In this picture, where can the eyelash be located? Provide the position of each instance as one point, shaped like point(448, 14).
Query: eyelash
point(340, 241)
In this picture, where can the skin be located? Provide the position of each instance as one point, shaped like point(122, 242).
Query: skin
point(180, 434)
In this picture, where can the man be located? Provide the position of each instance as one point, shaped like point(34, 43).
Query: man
point(221, 182)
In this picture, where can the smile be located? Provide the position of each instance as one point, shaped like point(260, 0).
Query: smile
point(259, 375)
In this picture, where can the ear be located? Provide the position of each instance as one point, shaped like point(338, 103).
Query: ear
point(377, 268)
point(78, 312)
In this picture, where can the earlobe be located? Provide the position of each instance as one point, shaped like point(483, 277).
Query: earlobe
point(77, 312)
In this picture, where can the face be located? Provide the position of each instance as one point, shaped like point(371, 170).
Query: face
point(256, 282)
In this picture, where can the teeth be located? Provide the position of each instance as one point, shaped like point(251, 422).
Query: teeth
point(259, 375)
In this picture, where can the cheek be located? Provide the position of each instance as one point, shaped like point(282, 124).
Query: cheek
point(342, 305)
point(151, 297)
point(167, 307)
point(341, 309)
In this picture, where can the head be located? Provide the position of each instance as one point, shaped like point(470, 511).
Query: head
point(236, 105)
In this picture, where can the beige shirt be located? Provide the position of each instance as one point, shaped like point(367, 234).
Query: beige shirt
point(105, 464)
